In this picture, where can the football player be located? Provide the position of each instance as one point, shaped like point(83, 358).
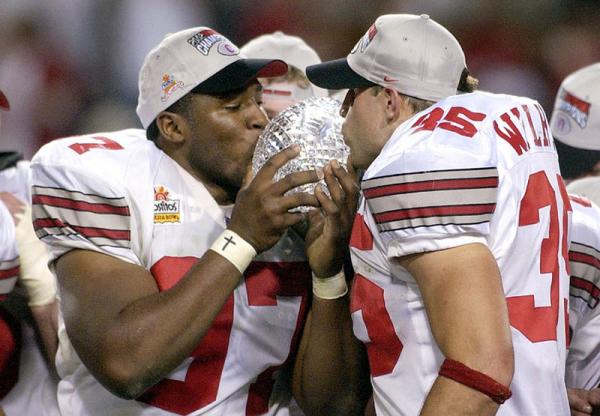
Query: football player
point(460, 242)
point(182, 289)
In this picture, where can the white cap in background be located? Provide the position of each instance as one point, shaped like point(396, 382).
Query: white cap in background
point(575, 119)
point(293, 50)
point(412, 54)
point(200, 59)
point(588, 187)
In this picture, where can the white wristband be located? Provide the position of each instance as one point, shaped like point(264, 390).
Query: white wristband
point(333, 287)
point(235, 249)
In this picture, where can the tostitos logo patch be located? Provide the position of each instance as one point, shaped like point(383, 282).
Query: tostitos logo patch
point(169, 86)
point(366, 40)
point(165, 209)
point(204, 40)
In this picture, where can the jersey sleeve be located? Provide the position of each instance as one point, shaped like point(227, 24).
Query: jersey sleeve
point(583, 361)
point(439, 193)
point(9, 255)
point(76, 209)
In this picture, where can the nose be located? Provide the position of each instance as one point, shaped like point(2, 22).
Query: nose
point(257, 119)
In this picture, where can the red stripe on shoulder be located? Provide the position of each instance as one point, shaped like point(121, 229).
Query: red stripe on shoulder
point(92, 232)
point(584, 258)
point(89, 232)
point(585, 285)
point(442, 211)
point(433, 185)
point(8, 273)
point(80, 205)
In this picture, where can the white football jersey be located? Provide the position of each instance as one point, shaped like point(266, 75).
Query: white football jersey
point(118, 194)
point(13, 180)
point(17, 181)
point(35, 391)
point(474, 168)
point(9, 271)
point(9, 254)
point(583, 360)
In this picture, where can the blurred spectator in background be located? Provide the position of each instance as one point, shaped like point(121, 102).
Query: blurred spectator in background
point(82, 55)
point(575, 125)
point(28, 385)
point(281, 92)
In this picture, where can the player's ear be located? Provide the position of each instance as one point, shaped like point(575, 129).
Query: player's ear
point(394, 104)
point(172, 126)
point(397, 107)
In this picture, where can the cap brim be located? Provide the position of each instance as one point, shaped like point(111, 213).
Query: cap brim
point(4, 101)
point(336, 75)
point(240, 73)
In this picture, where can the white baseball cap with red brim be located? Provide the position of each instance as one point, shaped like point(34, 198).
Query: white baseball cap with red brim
point(198, 59)
point(575, 119)
point(412, 54)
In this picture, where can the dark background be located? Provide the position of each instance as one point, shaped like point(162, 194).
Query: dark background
point(70, 66)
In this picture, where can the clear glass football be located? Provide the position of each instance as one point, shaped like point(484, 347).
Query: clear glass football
point(315, 125)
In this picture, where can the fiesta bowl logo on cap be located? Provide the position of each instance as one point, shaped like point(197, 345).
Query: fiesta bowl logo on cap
point(169, 85)
point(204, 40)
point(366, 40)
point(576, 108)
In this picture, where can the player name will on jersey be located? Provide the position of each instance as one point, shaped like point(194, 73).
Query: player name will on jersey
point(101, 220)
point(585, 273)
point(426, 199)
point(512, 127)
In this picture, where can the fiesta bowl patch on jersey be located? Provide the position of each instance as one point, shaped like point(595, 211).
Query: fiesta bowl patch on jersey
point(165, 209)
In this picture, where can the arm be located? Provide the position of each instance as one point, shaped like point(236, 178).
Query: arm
point(124, 329)
point(129, 334)
point(39, 284)
point(331, 372)
point(46, 320)
point(15, 206)
point(457, 285)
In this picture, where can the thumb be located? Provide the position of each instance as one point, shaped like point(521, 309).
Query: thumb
point(578, 400)
point(248, 176)
point(350, 168)
point(594, 397)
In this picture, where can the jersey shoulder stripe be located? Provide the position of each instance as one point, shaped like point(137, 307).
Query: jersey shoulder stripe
point(425, 199)
point(79, 201)
point(585, 273)
point(105, 221)
point(9, 272)
point(428, 176)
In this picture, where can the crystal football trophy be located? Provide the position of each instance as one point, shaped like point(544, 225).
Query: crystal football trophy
point(315, 125)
